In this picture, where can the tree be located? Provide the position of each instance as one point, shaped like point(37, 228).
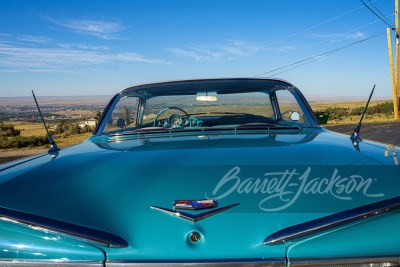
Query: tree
point(60, 127)
point(98, 115)
point(125, 114)
point(7, 130)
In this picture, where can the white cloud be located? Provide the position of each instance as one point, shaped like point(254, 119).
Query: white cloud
point(137, 57)
point(7, 70)
point(227, 50)
point(357, 35)
point(197, 54)
point(240, 48)
point(34, 39)
point(283, 48)
point(46, 59)
point(101, 29)
point(83, 46)
point(17, 38)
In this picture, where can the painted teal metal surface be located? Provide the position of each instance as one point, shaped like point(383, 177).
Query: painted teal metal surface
point(110, 186)
point(24, 243)
point(379, 236)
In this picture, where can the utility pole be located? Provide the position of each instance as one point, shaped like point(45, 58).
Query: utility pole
point(395, 98)
point(397, 57)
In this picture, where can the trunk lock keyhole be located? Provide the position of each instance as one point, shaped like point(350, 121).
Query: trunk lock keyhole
point(194, 237)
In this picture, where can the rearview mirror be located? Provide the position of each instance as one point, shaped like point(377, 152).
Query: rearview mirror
point(295, 116)
point(206, 98)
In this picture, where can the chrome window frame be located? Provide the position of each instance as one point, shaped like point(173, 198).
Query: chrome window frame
point(312, 119)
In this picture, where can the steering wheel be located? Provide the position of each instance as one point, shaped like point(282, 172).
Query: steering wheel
point(168, 108)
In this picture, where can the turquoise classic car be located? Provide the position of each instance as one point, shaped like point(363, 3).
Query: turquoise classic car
point(217, 172)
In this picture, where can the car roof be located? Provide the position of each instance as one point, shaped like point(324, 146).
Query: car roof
point(212, 83)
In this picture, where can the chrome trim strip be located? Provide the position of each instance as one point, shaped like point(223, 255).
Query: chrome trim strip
point(21, 161)
point(372, 261)
point(331, 221)
point(65, 228)
point(236, 130)
point(100, 122)
point(51, 263)
point(272, 262)
point(193, 217)
point(307, 106)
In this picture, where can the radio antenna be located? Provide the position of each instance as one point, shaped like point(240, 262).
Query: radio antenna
point(53, 145)
point(355, 137)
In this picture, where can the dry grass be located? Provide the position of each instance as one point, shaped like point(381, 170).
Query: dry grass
point(355, 119)
point(72, 139)
point(55, 100)
point(351, 105)
point(29, 129)
point(78, 113)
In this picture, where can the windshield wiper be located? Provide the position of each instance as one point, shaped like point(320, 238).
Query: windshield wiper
point(256, 124)
point(139, 131)
point(151, 128)
point(242, 127)
point(231, 113)
point(193, 114)
point(266, 126)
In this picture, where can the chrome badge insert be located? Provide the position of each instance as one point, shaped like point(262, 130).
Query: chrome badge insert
point(195, 204)
point(192, 206)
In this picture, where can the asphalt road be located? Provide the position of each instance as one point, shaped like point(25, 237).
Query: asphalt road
point(17, 154)
point(385, 132)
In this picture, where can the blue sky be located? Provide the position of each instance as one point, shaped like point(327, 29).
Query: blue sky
point(101, 47)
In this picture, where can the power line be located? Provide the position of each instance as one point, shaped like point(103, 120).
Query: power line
point(381, 13)
point(391, 26)
point(319, 24)
point(310, 46)
point(318, 57)
point(288, 36)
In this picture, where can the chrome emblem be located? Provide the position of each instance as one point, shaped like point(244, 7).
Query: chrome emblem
point(195, 204)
